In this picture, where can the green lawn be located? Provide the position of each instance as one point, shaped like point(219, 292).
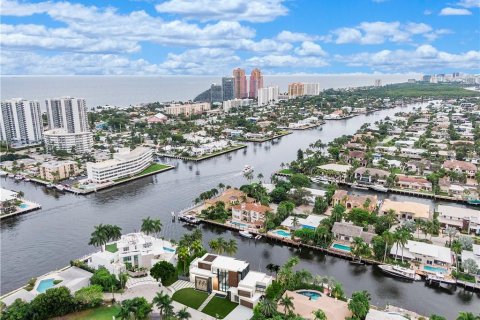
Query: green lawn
point(286, 171)
point(219, 306)
point(190, 297)
point(100, 313)
point(154, 167)
point(111, 247)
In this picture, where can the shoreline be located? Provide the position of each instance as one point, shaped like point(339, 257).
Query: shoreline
point(205, 157)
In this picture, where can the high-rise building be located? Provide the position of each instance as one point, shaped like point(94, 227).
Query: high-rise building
point(67, 113)
point(228, 88)
point(216, 93)
point(21, 122)
point(240, 83)
point(256, 82)
point(267, 95)
point(299, 89)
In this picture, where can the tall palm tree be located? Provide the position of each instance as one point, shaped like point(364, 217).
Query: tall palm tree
point(287, 303)
point(450, 232)
point(151, 226)
point(295, 222)
point(268, 307)
point(391, 217)
point(319, 315)
point(99, 237)
point(457, 248)
point(359, 248)
point(183, 255)
point(162, 301)
point(389, 239)
point(196, 247)
point(113, 232)
point(183, 314)
point(231, 247)
point(401, 237)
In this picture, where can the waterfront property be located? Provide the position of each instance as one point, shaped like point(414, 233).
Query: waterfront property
point(312, 221)
point(11, 204)
point(229, 277)
point(346, 231)
point(58, 170)
point(475, 256)
point(230, 197)
point(125, 163)
point(137, 249)
point(405, 210)
point(304, 305)
point(187, 109)
point(460, 218)
point(423, 253)
point(74, 142)
point(351, 201)
point(250, 213)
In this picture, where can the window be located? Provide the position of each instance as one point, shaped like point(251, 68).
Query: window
point(127, 258)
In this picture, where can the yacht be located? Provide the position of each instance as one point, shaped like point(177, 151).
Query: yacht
point(60, 187)
point(245, 234)
point(399, 272)
point(27, 179)
point(379, 188)
point(359, 186)
point(247, 169)
point(18, 177)
point(3, 173)
point(11, 175)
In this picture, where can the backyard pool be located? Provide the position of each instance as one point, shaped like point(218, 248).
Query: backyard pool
point(435, 269)
point(239, 224)
point(45, 284)
point(282, 233)
point(168, 249)
point(313, 295)
point(341, 247)
point(23, 206)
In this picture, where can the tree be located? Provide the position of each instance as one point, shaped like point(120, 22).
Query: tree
point(183, 314)
point(359, 304)
point(299, 154)
point(231, 247)
point(138, 308)
point(278, 194)
point(319, 315)
point(151, 226)
point(466, 242)
point(103, 234)
point(268, 307)
point(389, 239)
point(337, 290)
point(467, 316)
point(360, 248)
point(401, 238)
point(104, 278)
point(218, 245)
point(183, 255)
point(162, 301)
point(456, 247)
point(337, 213)
point(450, 232)
point(287, 303)
point(470, 266)
point(164, 271)
point(18, 310)
point(54, 302)
point(435, 317)
point(89, 297)
point(299, 180)
point(320, 206)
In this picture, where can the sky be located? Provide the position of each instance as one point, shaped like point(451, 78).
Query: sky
point(211, 37)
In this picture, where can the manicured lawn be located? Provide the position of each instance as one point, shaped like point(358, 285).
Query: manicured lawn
point(111, 247)
point(219, 306)
point(286, 171)
point(190, 297)
point(100, 313)
point(152, 168)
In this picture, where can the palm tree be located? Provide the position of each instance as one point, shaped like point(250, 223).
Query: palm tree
point(260, 176)
point(389, 239)
point(401, 237)
point(231, 247)
point(319, 315)
point(183, 314)
point(287, 303)
point(275, 269)
point(457, 248)
point(359, 248)
point(113, 232)
point(391, 217)
point(150, 226)
point(218, 245)
point(196, 247)
point(99, 237)
point(269, 267)
point(125, 311)
point(162, 301)
point(450, 232)
point(183, 255)
point(467, 316)
point(295, 222)
point(268, 307)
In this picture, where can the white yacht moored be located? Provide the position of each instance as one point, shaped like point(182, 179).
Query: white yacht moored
point(399, 272)
point(247, 169)
point(379, 188)
point(245, 234)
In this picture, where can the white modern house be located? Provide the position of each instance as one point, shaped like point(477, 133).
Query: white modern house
point(61, 139)
point(138, 249)
point(125, 163)
point(229, 277)
point(425, 253)
point(460, 218)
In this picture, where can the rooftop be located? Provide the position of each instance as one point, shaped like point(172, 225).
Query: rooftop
point(336, 167)
point(419, 210)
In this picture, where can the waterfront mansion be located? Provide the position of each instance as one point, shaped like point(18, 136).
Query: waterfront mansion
point(229, 277)
point(138, 249)
point(251, 213)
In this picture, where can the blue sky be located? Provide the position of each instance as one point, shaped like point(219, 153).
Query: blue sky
point(211, 37)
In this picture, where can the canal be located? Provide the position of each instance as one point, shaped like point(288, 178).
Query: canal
point(48, 239)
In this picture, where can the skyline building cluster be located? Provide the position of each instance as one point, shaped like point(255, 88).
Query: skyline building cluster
point(21, 122)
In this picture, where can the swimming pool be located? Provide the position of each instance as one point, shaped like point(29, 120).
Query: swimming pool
point(341, 247)
point(23, 206)
point(168, 249)
point(435, 269)
point(282, 233)
point(313, 295)
point(239, 224)
point(45, 284)
point(304, 226)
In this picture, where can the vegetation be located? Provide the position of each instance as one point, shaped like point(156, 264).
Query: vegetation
point(190, 297)
point(165, 272)
point(219, 307)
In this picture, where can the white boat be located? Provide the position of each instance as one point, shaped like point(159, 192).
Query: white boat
point(399, 272)
point(26, 179)
point(3, 173)
point(359, 186)
point(11, 175)
point(247, 169)
point(60, 187)
point(379, 188)
point(50, 185)
point(245, 234)
point(438, 277)
point(18, 177)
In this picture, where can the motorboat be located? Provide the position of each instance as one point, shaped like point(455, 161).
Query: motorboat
point(18, 177)
point(245, 234)
point(359, 186)
point(399, 272)
point(50, 185)
point(247, 169)
point(474, 202)
point(189, 219)
point(3, 173)
point(11, 175)
point(27, 179)
point(60, 187)
point(379, 188)
point(440, 278)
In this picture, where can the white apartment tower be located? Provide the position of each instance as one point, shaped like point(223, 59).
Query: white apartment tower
point(267, 95)
point(21, 122)
point(67, 113)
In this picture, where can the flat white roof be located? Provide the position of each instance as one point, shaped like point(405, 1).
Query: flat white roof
point(254, 277)
point(336, 167)
point(312, 220)
point(457, 212)
point(437, 252)
point(7, 194)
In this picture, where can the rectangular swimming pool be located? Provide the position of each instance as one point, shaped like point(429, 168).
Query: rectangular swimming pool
point(341, 247)
point(435, 269)
point(282, 233)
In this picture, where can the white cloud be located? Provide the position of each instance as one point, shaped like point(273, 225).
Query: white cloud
point(448, 11)
point(237, 10)
point(288, 36)
point(285, 61)
point(309, 48)
point(379, 32)
point(423, 58)
point(470, 3)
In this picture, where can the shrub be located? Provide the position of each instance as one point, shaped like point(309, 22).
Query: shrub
point(165, 271)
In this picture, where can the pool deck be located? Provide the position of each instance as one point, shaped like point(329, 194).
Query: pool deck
point(32, 206)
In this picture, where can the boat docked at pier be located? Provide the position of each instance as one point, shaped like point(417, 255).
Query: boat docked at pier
point(246, 234)
point(399, 272)
point(379, 188)
point(359, 186)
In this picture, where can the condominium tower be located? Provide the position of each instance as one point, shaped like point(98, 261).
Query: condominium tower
point(298, 89)
point(240, 83)
point(67, 113)
point(21, 122)
point(256, 82)
point(228, 88)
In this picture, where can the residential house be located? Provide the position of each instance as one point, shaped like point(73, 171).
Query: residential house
point(312, 221)
point(371, 175)
point(346, 231)
point(405, 210)
point(350, 201)
point(58, 170)
point(353, 156)
point(413, 183)
point(475, 256)
point(459, 217)
point(251, 213)
point(229, 197)
point(334, 170)
point(230, 277)
point(418, 166)
point(423, 253)
point(458, 166)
